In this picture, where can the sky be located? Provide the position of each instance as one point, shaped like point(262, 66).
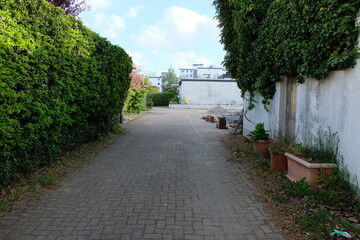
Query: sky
point(158, 34)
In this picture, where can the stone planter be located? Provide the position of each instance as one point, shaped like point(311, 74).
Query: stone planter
point(299, 169)
point(261, 147)
point(278, 161)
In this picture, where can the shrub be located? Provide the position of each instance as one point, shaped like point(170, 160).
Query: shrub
point(137, 101)
point(259, 133)
point(60, 85)
point(161, 99)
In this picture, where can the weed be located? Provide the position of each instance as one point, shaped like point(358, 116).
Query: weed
point(298, 188)
point(5, 207)
point(278, 198)
point(315, 222)
point(46, 180)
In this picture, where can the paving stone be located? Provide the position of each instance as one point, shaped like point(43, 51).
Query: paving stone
point(167, 178)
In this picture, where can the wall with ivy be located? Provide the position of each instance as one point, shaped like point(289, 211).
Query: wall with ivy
point(60, 85)
point(300, 38)
point(332, 102)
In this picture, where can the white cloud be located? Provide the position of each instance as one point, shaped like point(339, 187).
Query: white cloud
point(97, 4)
point(114, 27)
point(100, 18)
point(117, 22)
point(134, 11)
point(110, 33)
point(136, 57)
point(152, 37)
point(179, 28)
point(185, 20)
point(186, 59)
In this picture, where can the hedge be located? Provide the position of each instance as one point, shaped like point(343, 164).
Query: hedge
point(162, 99)
point(60, 85)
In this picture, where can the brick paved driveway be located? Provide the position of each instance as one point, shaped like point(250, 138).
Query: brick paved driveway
point(166, 179)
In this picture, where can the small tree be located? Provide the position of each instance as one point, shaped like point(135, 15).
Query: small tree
point(136, 100)
point(137, 79)
point(169, 78)
point(71, 7)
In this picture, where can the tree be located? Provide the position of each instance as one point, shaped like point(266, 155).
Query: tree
point(137, 79)
point(71, 7)
point(169, 78)
point(136, 99)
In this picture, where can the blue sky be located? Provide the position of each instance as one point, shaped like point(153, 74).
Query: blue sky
point(159, 33)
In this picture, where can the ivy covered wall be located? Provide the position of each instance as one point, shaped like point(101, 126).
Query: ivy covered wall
point(60, 85)
point(264, 39)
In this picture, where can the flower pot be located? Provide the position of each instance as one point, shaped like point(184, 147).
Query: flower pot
point(278, 161)
point(261, 147)
point(299, 169)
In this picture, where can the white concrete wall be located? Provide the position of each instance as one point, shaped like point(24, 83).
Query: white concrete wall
point(333, 102)
point(272, 117)
point(211, 92)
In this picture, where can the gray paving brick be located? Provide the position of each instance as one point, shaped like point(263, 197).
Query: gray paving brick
point(167, 178)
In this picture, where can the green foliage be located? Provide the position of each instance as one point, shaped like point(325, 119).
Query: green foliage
point(169, 78)
point(259, 133)
point(299, 188)
point(315, 222)
point(46, 180)
point(175, 97)
point(136, 102)
point(265, 39)
point(161, 99)
point(60, 85)
point(323, 148)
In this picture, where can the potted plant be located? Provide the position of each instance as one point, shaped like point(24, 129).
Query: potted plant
point(260, 138)
point(314, 161)
point(277, 148)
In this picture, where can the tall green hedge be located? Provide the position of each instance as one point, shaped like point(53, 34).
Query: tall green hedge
point(60, 84)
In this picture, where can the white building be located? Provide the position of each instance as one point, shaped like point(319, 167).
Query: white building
point(156, 81)
point(199, 71)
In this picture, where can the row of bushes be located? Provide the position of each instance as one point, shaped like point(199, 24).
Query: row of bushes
point(163, 99)
point(60, 85)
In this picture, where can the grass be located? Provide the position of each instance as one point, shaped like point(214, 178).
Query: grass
point(300, 210)
point(49, 178)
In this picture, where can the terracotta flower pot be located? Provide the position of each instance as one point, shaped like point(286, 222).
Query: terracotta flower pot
point(299, 169)
point(278, 161)
point(261, 147)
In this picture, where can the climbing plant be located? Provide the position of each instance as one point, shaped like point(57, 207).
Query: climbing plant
point(264, 39)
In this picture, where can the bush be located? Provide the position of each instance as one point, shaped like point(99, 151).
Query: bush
point(137, 101)
point(60, 85)
point(161, 99)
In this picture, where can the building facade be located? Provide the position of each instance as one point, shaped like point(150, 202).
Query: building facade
point(198, 71)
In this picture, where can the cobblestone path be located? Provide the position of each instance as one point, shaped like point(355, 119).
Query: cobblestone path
point(167, 178)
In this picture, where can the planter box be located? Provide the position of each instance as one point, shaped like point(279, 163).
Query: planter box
point(299, 169)
point(261, 147)
point(278, 161)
